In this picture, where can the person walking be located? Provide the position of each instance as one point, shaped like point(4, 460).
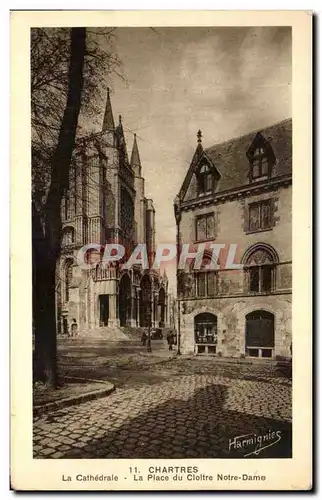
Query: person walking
point(143, 338)
point(170, 339)
point(74, 329)
point(149, 338)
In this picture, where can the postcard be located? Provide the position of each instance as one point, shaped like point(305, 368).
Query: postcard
point(161, 303)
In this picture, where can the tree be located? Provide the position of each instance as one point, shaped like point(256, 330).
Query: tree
point(66, 65)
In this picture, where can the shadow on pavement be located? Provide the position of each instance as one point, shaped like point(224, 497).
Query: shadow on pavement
point(196, 427)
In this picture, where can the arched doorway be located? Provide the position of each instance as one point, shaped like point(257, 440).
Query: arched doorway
point(103, 309)
point(125, 300)
point(205, 333)
point(145, 302)
point(260, 334)
point(161, 307)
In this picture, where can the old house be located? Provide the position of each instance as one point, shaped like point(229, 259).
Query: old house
point(238, 193)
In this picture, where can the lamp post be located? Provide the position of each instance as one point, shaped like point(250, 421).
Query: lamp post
point(148, 344)
point(179, 330)
point(177, 214)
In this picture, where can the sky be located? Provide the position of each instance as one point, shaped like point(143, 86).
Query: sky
point(224, 81)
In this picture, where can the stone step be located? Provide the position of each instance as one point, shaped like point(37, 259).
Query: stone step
point(133, 333)
point(100, 333)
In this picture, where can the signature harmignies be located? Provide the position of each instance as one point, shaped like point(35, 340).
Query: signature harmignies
point(254, 444)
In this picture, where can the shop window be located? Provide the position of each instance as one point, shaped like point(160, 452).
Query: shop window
point(260, 334)
point(206, 333)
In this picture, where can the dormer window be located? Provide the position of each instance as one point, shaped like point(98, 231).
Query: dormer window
point(259, 164)
point(205, 178)
point(261, 159)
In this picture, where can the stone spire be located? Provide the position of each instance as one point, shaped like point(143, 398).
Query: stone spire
point(135, 157)
point(108, 122)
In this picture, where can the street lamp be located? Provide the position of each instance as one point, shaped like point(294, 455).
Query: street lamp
point(177, 214)
point(179, 329)
point(148, 344)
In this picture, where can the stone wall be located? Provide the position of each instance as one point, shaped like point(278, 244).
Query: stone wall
point(231, 220)
point(231, 322)
point(232, 300)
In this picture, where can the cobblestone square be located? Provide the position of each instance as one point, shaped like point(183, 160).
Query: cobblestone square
point(185, 410)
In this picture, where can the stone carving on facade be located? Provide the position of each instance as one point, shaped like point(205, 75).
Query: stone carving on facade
point(186, 309)
point(260, 258)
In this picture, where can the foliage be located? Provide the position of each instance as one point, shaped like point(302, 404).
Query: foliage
point(50, 54)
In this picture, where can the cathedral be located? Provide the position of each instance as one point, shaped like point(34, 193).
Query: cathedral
point(106, 203)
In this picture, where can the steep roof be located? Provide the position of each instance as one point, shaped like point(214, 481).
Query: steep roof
point(121, 144)
point(230, 157)
point(108, 121)
point(135, 156)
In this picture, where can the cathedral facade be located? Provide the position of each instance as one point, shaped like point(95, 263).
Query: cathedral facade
point(238, 194)
point(106, 203)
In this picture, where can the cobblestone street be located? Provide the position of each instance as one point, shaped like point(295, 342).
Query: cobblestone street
point(176, 409)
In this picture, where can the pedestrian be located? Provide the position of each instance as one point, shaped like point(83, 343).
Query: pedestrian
point(170, 339)
point(74, 328)
point(149, 338)
point(143, 338)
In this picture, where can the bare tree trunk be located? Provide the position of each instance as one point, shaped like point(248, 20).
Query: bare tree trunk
point(47, 230)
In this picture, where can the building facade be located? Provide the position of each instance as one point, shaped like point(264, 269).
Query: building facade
point(238, 194)
point(106, 203)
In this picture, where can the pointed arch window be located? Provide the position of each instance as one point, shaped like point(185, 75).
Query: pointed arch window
point(68, 278)
point(127, 214)
point(66, 203)
point(260, 269)
point(101, 271)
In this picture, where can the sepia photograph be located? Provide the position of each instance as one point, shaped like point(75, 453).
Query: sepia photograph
point(162, 251)
point(156, 141)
